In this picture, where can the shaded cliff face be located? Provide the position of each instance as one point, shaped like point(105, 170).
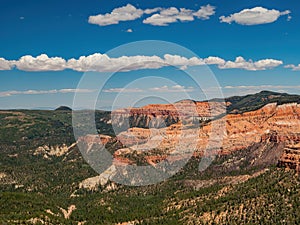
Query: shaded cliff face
point(290, 158)
point(163, 115)
point(280, 123)
point(272, 123)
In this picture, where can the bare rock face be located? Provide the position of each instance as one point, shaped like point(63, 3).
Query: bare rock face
point(272, 123)
point(263, 133)
point(279, 123)
point(162, 115)
point(53, 151)
point(93, 183)
point(290, 159)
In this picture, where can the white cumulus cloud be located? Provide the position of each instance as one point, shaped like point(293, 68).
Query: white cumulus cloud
point(40, 63)
point(293, 67)
point(205, 12)
point(241, 63)
point(172, 15)
point(160, 20)
point(255, 16)
point(176, 60)
point(103, 63)
point(125, 13)
point(212, 60)
point(6, 64)
point(151, 11)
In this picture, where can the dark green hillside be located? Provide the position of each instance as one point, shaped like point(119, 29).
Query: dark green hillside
point(252, 102)
point(240, 104)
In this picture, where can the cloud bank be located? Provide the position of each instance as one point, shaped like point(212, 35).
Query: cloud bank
point(172, 15)
point(241, 63)
point(160, 16)
point(103, 63)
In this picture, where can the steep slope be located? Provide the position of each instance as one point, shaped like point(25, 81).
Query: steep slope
point(161, 115)
point(278, 123)
point(239, 104)
point(290, 159)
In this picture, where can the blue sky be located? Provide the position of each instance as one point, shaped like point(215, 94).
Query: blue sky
point(269, 44)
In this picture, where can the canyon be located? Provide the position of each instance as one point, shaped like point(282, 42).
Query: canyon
point(162, 115)
point(218, 134)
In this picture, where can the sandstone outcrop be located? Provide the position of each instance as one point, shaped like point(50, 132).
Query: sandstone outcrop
point(274, 123)
point(93, 183)
point(50, 151)
point(264, 132)
point(162, 115)
point(290, 159)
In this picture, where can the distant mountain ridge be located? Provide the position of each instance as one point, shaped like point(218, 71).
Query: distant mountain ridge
point(159, 115)
point(240, 104)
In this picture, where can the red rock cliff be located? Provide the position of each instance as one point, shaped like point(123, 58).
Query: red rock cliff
point(274, 123)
